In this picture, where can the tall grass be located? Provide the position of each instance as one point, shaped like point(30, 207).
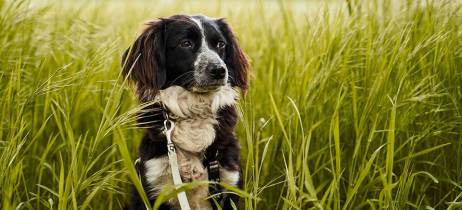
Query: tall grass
point(352, 105)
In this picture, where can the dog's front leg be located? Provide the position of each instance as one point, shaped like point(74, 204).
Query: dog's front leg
point(228, 149)
point(153, 157)
point(230, 173)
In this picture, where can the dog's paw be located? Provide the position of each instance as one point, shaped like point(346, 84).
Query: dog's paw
point(189, 174)
point(185, 171)
point(192, 171)
point(198, 173)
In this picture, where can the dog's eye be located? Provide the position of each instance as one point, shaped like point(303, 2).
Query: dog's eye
point(221, 45)
point(186, 44)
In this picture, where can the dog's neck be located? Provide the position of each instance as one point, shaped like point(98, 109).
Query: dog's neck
point(184, 104)
point(195, 114)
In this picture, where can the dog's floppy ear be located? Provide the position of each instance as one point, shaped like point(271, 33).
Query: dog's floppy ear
point(144, 62)
point(235, 58)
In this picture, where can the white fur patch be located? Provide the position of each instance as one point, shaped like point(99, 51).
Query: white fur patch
point(229, 177)
point(199, 24)
point(157, 173)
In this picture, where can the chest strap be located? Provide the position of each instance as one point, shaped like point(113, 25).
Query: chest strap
point(213, 169)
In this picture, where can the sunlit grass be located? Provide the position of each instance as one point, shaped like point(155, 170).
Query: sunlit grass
point(349, 107)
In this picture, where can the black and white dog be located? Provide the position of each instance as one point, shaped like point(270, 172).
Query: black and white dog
point(195, 71)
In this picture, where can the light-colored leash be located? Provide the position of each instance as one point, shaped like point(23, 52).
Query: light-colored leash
point(172, 159)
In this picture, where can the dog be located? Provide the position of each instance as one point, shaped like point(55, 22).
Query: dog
point(194, 71)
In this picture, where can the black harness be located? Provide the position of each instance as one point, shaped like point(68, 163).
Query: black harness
point(213, 170)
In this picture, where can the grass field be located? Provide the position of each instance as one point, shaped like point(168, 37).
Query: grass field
point(350, 106)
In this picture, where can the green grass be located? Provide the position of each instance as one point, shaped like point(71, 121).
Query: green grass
point(351, 106)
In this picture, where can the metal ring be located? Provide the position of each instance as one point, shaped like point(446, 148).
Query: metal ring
point(168, 125)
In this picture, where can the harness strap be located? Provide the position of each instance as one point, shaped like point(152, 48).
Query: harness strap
point(213, 169)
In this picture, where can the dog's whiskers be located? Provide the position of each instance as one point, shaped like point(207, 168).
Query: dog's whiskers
point(180, 76)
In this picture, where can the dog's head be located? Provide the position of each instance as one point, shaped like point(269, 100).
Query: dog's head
point(197, 53)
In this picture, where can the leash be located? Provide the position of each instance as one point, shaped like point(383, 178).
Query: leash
point(172, 159)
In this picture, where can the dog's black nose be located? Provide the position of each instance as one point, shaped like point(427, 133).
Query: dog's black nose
point(218, 72)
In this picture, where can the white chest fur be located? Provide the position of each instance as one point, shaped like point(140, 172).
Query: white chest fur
point(194, 115)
